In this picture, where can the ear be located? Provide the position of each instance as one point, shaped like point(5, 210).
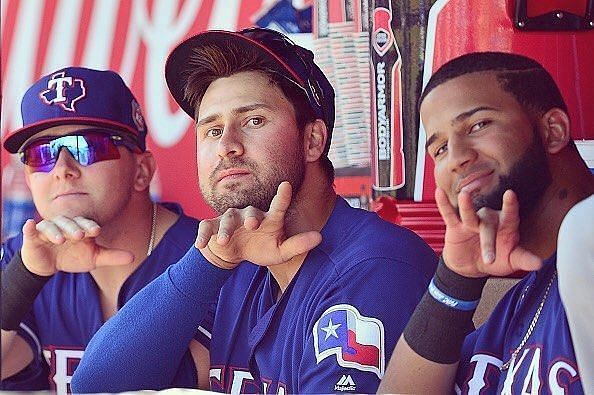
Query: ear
point(556, 130)
point(145, 169)
point(315, 137)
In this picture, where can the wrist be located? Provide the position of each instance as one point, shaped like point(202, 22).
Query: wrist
point(449, 285)
point(443, 318)
point(197, 278)
point(215, 259)
point(20, 287)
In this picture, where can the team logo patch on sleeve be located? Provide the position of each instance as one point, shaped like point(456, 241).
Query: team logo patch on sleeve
point(357, 341)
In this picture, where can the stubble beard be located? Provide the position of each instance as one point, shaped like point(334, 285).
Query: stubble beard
point(261, 190)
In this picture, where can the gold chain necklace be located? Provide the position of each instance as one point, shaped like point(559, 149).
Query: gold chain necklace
point(153, 230)
point(532, 325)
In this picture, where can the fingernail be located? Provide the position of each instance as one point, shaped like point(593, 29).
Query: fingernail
point(488, 257)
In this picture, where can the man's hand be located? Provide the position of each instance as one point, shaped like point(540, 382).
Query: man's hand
point(67, 244)
point(253, 235)
point(484, 242)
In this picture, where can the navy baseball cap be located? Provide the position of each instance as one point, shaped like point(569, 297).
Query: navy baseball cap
point(78, 95)
point(289, 59)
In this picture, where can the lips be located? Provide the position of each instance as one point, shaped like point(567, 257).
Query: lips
point(231, 173)
point(473, 180)
point(68, 194)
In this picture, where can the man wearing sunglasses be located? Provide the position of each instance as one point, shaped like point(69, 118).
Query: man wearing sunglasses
point(311, 307)
point(101, 238)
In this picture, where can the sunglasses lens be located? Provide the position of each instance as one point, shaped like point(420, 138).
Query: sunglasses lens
point(41, 155)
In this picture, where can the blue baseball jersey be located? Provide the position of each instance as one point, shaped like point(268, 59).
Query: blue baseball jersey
point(67, 313)
point(545, 364)
point(335, 326)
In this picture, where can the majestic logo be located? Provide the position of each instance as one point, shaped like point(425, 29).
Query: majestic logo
point(382, 36)
point(357, 341)
point(64, 91)
point(345, 383)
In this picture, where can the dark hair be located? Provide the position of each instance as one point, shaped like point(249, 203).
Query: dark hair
point(208, 63)
point(524, 78)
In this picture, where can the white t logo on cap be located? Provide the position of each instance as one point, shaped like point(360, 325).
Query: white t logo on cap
point(59, 84)
point(57, 92)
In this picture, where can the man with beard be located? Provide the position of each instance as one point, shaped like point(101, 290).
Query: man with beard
point(328, 288)
point(507, 174)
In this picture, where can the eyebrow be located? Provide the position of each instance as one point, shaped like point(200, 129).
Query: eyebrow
point(238, 110)
point(460, 118)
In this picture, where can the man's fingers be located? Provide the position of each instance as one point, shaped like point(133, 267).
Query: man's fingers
point(29, 229)
point(206, 229)
point(50, 231)
point(488, 227)
point(32, 235)
point(113, 257)
point(281, 201)
point(299, 244)
point(447, 211)
point(522, 259)
point(68, 227)
point(228, 224)
point(252, 217)
point(468, 215)
point(510, 211)
point(90, 227)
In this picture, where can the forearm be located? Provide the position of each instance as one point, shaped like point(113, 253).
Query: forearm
point(19, 287)
point(426, 356)
point(16, 354)
point(7, 341)
point(409, 373)
point(142, 345)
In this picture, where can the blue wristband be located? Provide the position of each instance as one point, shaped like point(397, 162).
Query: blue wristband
point(450, 301)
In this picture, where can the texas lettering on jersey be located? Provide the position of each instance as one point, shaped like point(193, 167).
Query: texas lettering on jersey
point(241, 382)
point(528, 374)
point(62, 363)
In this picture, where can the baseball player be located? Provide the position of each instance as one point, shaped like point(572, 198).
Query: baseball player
point(100, 240)
point(507, 173)
point(323, 290)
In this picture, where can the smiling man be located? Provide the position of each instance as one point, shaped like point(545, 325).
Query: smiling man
point(507, 174)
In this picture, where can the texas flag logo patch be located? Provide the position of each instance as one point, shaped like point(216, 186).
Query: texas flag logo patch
point(356, 340)
point(64, 91)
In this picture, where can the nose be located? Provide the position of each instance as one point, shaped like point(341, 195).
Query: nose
point(230, 143)
point(66, 166)
point(460, 154)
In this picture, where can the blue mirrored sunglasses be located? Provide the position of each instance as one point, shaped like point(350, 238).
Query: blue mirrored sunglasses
point(87, 146)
